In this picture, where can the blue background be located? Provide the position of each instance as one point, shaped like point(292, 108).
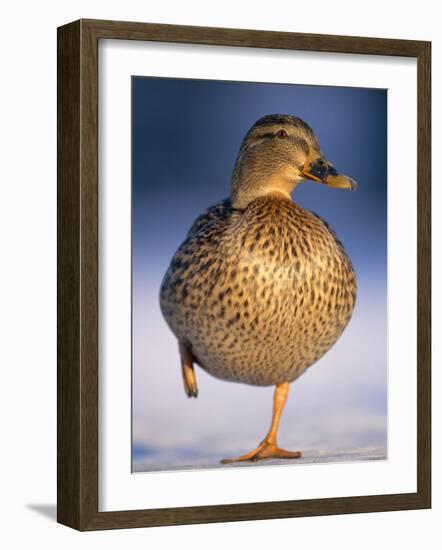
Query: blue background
point(186, 134)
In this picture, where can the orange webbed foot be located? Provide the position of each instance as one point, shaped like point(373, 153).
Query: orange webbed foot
point(268, 447)
point(264, 450)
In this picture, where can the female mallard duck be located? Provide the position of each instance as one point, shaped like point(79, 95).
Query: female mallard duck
point(261, 288)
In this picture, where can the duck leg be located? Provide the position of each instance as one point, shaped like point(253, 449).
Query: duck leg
point(189, 378)
point(268, 448)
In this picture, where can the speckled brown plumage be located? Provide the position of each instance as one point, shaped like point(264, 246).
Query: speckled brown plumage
point(259, 294)
point(261, 288)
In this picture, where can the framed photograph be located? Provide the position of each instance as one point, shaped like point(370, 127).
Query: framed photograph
point(243, 275)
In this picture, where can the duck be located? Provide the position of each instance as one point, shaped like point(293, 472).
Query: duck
point(261, 288)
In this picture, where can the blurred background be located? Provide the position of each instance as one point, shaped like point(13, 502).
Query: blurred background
point(186, 134)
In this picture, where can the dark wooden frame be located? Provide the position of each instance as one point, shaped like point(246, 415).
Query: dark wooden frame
point(77, 407)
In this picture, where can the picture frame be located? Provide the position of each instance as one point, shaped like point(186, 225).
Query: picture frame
point(78, 289)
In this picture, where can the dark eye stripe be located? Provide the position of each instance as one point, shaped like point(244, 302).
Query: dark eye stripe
point(272, 135)
point(267, 135)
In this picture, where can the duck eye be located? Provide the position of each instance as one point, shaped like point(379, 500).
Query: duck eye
point(282, 134)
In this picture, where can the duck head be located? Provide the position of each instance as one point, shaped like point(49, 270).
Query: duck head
point(277, 153)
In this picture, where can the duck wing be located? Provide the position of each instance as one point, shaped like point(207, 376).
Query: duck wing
point(194, 267)
point(215, 215)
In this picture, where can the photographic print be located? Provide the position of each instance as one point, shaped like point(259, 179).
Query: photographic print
point(226, 304)
point(259, 274)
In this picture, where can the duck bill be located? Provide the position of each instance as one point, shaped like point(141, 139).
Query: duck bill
point(323, 172)
point(341, 181)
